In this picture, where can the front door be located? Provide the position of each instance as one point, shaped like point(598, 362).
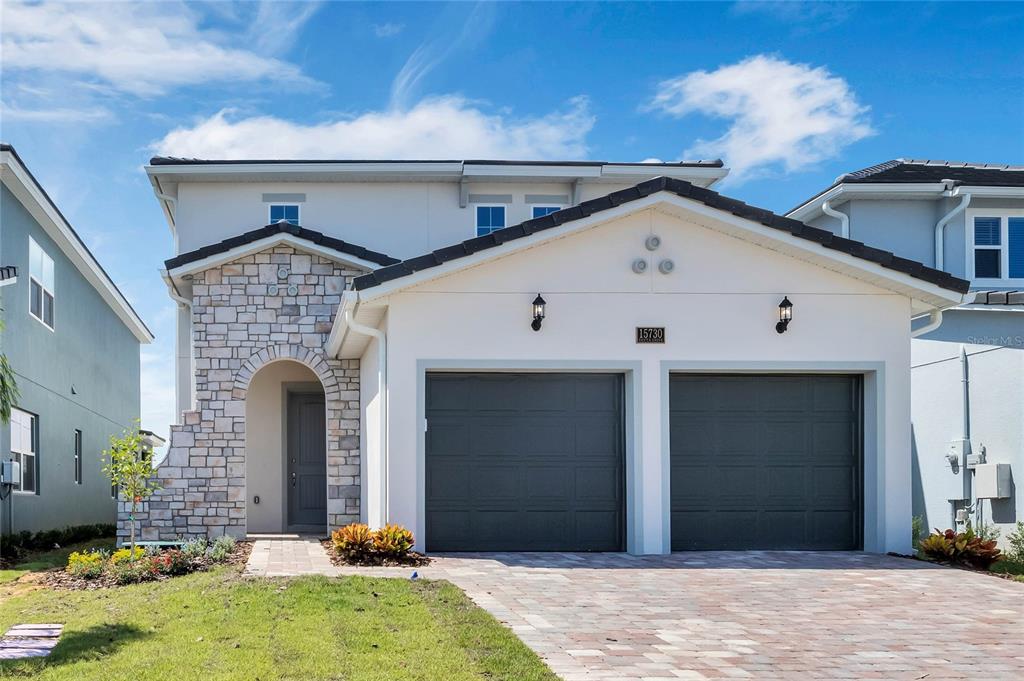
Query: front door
point(307, 463)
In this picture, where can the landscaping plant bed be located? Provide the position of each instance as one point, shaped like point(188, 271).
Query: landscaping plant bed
point(148, 567)
point(411, 559)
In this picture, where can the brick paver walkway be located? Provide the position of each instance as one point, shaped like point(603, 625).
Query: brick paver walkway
point(288, 556)
point(29, 640)
point(757, 615)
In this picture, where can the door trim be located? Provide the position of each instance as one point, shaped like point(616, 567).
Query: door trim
point(872, 431)
point(631, 371)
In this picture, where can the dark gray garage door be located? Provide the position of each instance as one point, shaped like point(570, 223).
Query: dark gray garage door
point(524, 462)
point(765, 462)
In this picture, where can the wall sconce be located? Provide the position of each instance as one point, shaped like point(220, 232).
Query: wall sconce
point(538, 313)
point(785, 315)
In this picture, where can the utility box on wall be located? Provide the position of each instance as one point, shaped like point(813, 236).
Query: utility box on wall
point(992, 481)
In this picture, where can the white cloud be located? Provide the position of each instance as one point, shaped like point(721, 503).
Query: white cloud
point(276, 25)
point(54, 115)
point(439, 127)
point(387, 30)
point(781, 114)
point(140, 48)
point(801, 17)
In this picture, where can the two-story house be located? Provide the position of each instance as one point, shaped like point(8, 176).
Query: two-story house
point(967, 362)
point(73, 342)
point(531, 355)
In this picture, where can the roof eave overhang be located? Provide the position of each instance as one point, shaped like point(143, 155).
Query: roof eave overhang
point(847, 191)
point(303, 245)
point(21, 183)
point(926, 295)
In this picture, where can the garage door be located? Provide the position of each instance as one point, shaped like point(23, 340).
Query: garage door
point(524, 462)
point(765, 462)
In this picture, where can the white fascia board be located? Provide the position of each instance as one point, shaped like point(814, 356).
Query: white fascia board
point(339, 329)
point(690, 173)
point(930, 294)
point(530, 171)
point(28, 192)
point(284, 170)
point(269, 242)
point(989, 192)
point(845, 192)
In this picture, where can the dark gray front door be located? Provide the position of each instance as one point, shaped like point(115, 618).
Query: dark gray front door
point(524, 462)
point(765, 462)
point(307, 462)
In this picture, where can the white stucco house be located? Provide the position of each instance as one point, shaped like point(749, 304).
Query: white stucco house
point(967, 364)
point(532, 356)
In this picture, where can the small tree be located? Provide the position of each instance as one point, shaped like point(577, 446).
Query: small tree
point(130, 468)
point(8, 386)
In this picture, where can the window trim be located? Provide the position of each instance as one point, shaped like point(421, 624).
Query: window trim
point(1004, 245)
point(78, 456)
point(35, 455)
point(544, 205)
point(42, 286)
point(298, 212)
point(476, 227)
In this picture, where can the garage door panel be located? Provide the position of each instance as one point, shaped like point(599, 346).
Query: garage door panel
point(758, 462)
point(545, 463)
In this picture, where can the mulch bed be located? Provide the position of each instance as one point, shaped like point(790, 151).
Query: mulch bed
point(57, 578)
point(957, 566)
point(412, 559)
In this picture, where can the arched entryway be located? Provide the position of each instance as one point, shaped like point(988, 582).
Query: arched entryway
point(286, 450)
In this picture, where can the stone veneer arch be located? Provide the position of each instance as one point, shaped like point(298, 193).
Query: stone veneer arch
point(278, 304)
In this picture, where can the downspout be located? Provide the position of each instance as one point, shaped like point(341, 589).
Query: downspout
point(186, 303)
point(940, 229)
point(382, 384)
point(966, 432)
point(844, 219)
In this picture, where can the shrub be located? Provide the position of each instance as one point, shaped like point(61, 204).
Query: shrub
point(355, 540)
point(88, 564)
point(195, 548)
point(221, 549)
point(127, 555)
point(19, 544)
point(916, 530)
point(393, 541)
point(133, 572)
point(172, 562)
point(1016, 541)
point(962, 547)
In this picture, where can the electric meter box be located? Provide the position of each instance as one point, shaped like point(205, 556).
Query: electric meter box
point(10, 472)
point(992, 481)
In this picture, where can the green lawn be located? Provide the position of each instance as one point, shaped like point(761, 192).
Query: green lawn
point(48, 559)
point(218, 625)
point(1010, 567)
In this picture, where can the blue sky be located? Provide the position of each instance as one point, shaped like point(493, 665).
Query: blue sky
point(790, 94)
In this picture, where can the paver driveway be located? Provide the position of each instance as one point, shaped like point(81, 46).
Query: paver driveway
point(761, 615)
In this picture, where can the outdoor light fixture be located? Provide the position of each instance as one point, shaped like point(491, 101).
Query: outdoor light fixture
point(538, 312)
point(785, 315)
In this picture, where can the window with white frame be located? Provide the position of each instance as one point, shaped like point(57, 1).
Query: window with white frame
point(541, 211)
point(996, 240)
point(41, 296)
point(24, 449)
point(289, 212)
point(489, 219)
point(78, 457)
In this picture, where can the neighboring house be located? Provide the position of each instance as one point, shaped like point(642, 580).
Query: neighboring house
point(73, 341)
point(547, 356)
point(967, 219)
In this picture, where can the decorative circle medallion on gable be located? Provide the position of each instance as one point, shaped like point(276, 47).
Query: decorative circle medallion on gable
point(653, 242)
point(666, 266)
point(293, 290)
point(282, 272)
point(272, 289)
point(639, 265)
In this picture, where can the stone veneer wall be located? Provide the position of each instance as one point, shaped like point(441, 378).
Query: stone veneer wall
point(277, 304)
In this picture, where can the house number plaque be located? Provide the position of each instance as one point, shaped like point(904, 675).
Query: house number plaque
point(650, 334)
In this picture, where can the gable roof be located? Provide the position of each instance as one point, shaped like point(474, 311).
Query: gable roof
point(680, 188)
point(280, 228)
point(177, 161)
point(918, 170)
point(30, 192)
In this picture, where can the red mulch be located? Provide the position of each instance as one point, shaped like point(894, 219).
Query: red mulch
point(412, 559)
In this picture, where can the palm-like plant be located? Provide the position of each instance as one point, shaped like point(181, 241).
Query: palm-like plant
point(8, 385)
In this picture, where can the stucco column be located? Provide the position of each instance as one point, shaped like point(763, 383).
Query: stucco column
point(650, 462)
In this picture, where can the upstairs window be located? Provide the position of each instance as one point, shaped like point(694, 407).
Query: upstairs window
point(24, 448)
point(997, 240)
point(541, 211)
point(40, 284)
point(289, 212)
point(489, 219)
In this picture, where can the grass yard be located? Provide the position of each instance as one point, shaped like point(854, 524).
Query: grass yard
point(49, 559)
point(1014, 568)
point(218, 625)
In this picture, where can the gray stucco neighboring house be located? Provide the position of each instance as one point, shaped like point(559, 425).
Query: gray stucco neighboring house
point(73, 341)
point(967, 380)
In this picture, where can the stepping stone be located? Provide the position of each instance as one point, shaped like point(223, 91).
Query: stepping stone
point(29, 640)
